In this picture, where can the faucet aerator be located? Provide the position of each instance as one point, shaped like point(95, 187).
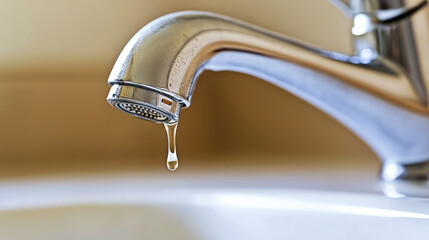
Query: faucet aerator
point(147, 104)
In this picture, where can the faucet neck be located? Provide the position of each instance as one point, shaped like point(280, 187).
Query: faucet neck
point(167, 53)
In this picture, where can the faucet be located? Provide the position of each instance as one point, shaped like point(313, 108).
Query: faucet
point(380, 92)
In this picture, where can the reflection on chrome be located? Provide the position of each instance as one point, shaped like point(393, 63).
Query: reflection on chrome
point(391, 191)
point(391, 171)
point(362, 24)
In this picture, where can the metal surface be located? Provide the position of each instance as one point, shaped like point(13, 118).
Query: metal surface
point(397, 135)
point(382, 28)
point(380, 92)
point(142, 111)
point(381, 11)
point(160, 103)
point(405, 179)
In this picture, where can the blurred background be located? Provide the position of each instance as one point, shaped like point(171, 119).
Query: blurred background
point(55, 57)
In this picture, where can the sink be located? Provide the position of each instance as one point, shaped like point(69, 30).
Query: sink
point(157, 208)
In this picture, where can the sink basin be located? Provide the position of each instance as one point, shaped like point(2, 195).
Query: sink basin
point(150, 208)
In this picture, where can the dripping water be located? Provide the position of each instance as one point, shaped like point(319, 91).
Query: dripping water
point(172, 161)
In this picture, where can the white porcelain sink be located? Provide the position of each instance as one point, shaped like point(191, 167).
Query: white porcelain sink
point(146, 208)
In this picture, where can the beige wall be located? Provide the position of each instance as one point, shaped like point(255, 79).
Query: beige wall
point(55, 57)
point(47, 34)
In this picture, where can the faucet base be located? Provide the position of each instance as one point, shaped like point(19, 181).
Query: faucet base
point(401, 180)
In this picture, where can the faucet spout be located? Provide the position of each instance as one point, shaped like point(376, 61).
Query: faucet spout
point(377, 97)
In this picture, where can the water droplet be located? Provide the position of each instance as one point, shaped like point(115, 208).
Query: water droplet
point(172, 161)
point(172, 165)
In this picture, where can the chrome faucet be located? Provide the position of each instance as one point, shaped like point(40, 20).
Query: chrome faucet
point(380, 92)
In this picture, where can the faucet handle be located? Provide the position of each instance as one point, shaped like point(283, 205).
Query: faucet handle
point(384, 11)
point(380, 11)
point(385, 30)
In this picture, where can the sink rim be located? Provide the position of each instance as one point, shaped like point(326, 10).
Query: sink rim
point(46, 193)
